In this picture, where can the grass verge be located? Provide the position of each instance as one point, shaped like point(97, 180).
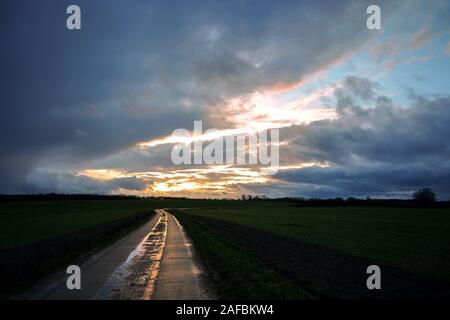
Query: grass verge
point(414, 239)
point(77, 256)
point(322, 272)
point(232, 269)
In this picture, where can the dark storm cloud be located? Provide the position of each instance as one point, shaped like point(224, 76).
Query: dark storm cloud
point(68, 183)
point(361, 181)
point(138, 70)
point(360, 87)
point(374, 147)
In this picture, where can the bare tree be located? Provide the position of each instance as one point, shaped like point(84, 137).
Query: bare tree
point(424, 195)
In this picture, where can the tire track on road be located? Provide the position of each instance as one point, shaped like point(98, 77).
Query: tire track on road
point(135, 278)
point(180, 276)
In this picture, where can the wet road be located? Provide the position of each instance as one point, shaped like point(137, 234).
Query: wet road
point(156, 261)
point(179, 275)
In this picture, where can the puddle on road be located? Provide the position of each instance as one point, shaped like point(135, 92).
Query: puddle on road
point(135, 278)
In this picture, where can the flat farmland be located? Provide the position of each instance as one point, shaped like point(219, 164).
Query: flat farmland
point(27, 222)
point(272, 249)
point(324, 251)
point(73, 230)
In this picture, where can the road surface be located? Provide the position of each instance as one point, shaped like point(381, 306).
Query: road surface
point(179, 276)
point(156, 261)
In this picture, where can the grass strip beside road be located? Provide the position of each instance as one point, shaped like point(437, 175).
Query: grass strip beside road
point(232, 269)
point(321, 271)
point(26, 222)
point(76, 256)
point(414, 239)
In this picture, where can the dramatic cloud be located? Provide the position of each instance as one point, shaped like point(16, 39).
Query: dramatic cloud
point(68, 183)
point(138, 70)
point(374, 147)
point(75, 103)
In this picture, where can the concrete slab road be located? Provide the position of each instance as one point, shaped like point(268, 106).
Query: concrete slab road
point(156, 261)
point(180, 276)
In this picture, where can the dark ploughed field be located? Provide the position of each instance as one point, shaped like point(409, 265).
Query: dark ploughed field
point(296, 252)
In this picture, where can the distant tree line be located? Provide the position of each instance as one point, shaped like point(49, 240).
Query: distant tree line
point(250, 197)
point(353, 202)
point(424, 197)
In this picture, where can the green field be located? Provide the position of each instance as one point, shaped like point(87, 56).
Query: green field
point(265, 249)
point(27, 222)
point(414, 240)
point(417, 239)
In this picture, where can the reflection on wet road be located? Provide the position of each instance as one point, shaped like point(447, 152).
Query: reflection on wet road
point(180, 277)
point(135, 278)
point(156, 261)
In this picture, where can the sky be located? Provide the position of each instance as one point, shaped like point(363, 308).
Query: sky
point(360, 112)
